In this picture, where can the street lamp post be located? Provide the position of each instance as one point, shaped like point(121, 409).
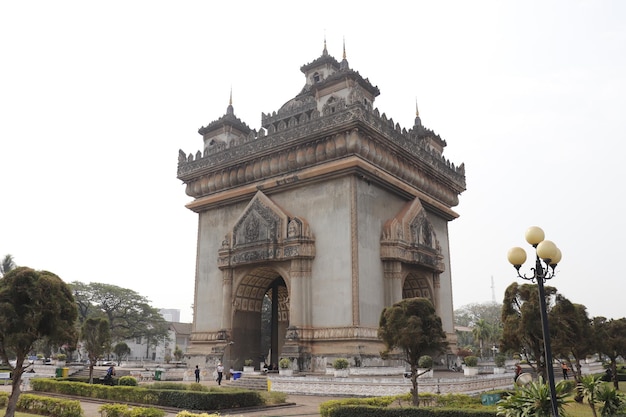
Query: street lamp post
point(547, 252)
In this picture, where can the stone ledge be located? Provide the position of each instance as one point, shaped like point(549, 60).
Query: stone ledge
point(375, 386)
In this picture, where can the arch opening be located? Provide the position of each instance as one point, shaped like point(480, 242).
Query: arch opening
point(260, 318)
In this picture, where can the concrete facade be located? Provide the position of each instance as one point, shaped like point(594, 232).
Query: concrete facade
point(329, 212)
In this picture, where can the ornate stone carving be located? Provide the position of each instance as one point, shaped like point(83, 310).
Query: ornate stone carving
point(419, 164)
point(264, 232)
point(410, 238)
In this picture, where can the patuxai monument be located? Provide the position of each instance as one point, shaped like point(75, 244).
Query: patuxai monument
point(311, 224)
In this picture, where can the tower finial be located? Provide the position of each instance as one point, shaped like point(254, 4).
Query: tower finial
point(229, 109)
point(325, 51)
point(418, 121)
point(344, 62)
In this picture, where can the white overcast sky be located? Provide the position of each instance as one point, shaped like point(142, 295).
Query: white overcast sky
point(97, 97)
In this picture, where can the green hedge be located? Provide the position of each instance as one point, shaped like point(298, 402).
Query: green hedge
point(448, 404)
point(123, 410)
point(369, 411)
point(47, 406)
point(195, 400)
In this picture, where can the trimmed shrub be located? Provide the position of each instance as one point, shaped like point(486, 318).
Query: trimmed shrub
point(129, 381)
point(327, 407)
point(425, 362)
point(274, 397)
point(48, 406)
point(471, 361)
point(123, 410)
point(284, 363)
point(369, 411)
point(215, 399)
point(189, 414)
point(500, 360)
point(341, 363)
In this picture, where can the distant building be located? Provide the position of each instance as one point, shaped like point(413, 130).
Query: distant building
point(178, 336)
point(170, 314)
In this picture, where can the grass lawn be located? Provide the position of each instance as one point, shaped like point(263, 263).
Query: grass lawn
point(18, 414)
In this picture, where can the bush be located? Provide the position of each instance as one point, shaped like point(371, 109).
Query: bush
point(123, 410)
point(61, 357)
point(284, 363)
point(471, 361)
point(129, 381)
point(341, 363)
point(248, 362)
point(215, 399)
point(190, 414)
point(274, 397)
point(48, 406)
point(425, 362)
point(500, 360)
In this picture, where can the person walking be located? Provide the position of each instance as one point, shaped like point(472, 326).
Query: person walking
point(197, 372)
point(565, 369)
point(518, 372)
point(220, 373)
point(108, 378)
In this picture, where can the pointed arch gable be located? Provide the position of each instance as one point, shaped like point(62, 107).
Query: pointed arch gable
point(265, 232)
point(261, 222)
point(409, 237)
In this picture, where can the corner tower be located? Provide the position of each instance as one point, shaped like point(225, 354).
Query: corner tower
point(313, 224)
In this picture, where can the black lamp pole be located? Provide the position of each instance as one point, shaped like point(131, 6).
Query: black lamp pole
point(540, 277)
point(548, 252)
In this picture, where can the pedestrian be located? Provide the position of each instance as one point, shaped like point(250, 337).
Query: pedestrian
point(197, 372)
point(220, 373)
point(108, 378)
point(518, 371)
point(564, 368)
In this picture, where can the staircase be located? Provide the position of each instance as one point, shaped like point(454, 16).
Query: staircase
point(252, 382)
point(98, 372)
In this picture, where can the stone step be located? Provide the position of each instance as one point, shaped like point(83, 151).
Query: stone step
point(252, 382)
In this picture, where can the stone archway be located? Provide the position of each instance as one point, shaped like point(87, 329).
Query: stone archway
point(265, 258)
point(260, 317)
point(417, 286)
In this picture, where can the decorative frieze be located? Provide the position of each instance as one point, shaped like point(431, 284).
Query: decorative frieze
point(291, 147)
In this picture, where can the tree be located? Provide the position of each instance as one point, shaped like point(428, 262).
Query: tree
point(7, 265)
point(178, 353)
point(589, 386)
point(481, 331)
point(522, 331)
point(121, 351)
point(129, 314)
point(412, 326)
point(611, 338)
point(97, 338)
point(487, 317)
point(33, 305)
point(573, 335)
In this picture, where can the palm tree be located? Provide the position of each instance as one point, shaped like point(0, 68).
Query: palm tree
point(589, 386)
point(7, 264)
point(481, 331)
